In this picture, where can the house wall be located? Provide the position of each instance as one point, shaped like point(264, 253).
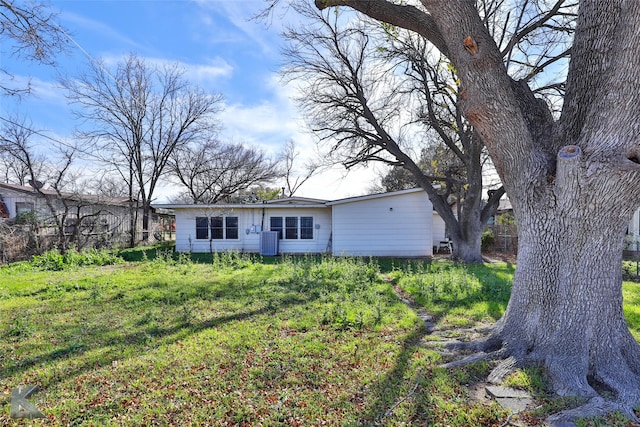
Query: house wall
point(251, 219)
point(394, 225)
point(439, 230)
point(632, 238)
point(321, 233)
point(634, 224)
point(12, 198)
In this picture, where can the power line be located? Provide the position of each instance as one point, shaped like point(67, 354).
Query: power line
point(36, 132)
point(92, 60)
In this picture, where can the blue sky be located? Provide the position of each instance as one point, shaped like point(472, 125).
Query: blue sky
point(221, 49)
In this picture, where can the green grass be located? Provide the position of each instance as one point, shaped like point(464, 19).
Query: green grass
point(157, 338)
point(458, 295)
point(227, 340)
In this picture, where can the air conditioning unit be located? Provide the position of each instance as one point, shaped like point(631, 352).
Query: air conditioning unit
point(269, 243)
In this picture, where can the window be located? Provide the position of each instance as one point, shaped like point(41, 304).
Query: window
point(23, 207)
point(217, 227)
point(306, 227)
point(276, 225)
point(202, 227)
point(293, 227)
point(231, 227)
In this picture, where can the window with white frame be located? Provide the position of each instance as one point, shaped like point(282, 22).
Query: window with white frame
point(217, 228)
point(292, 227)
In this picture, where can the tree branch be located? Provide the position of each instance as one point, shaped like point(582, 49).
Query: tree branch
point(405, 16)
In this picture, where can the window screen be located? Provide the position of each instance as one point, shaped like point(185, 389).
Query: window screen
point(231, 227)
point(276, 225)
point(202, 227)
point(217, 231)
point(291, 227)
point(306, 227)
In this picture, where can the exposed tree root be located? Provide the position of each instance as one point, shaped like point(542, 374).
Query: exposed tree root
point(503, 369)
point(595, 407)
point(612, 386)
point(609, 382)
point(476, 357)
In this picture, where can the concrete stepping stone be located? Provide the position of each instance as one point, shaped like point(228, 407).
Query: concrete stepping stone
point(512, 399)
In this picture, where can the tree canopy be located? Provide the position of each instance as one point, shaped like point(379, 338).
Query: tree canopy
point(29, 31)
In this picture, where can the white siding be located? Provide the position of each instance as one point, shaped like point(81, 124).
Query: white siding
point(250, 221)
point(320, 241)
point(632, 238)
point(11, 198)
point(439, 229)
point(389, 225)
point(634, 224)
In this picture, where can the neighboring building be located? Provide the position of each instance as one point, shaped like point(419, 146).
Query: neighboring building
point(400, 223)
point(506, 231)
point(99, 216)
point(632, 238)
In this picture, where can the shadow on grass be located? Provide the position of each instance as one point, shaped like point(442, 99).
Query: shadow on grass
point(134, 343)
point(392, 387)
point(399, 383)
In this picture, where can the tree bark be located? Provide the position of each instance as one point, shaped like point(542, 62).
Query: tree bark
point(565, 311)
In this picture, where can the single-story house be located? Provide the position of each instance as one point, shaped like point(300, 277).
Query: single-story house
point(98, 214)
point(400, 223)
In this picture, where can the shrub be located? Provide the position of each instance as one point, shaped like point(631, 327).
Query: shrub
point(54, 260)
point(488, 239)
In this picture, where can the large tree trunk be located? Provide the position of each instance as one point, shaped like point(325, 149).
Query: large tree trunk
point(573, 185)
point(565, 311)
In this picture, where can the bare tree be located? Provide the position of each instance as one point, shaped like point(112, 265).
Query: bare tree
point(30, 32)
point(212, 171)
point(140, 114)
point(572, 180)
point(12, 171)
point(294, 176)
point(359, 104)
point(66, 209)
point(19, 159)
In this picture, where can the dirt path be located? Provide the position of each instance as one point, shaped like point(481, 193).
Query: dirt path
point(441, 339)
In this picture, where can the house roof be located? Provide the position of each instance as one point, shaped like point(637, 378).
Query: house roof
point(296, 201)
point(289, 202)
point(374, 196)
point(222, 206)
point(115, 201)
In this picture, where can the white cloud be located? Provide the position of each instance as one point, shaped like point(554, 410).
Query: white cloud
point(274, 121)
point(240, 14)
point(202, 74)
point(269, 123)
point(205, 75)
point(96, 28)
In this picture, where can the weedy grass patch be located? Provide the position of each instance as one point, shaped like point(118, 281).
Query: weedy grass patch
point(235, 339)
point(457, 295)
point(226, 339)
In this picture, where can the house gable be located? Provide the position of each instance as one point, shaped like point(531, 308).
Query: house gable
point(388, 224)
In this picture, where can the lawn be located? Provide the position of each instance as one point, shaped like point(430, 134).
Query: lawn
point(237, 340)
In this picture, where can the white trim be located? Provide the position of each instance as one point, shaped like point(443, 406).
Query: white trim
point(374, 196)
